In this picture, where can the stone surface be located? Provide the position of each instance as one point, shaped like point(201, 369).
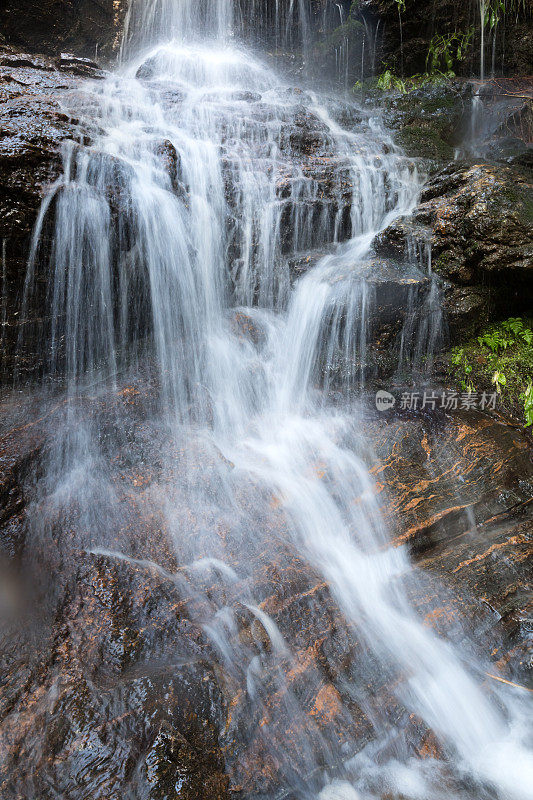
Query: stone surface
point(458, 490)
point(34, 124)
point(86, 27)
point(482, 218)
point(431, 121)
point(478, 220)
point(111, 685)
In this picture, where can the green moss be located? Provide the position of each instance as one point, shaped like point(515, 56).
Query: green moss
point(437, 104)
point(473, 364)
point(444, 263)
point(424, 143)
point(350, 30)
point(520, 200)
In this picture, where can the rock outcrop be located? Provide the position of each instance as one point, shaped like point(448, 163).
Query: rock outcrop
point(431, 121)
point(478, 219)
point(35, 93)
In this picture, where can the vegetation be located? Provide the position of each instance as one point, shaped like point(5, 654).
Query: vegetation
point(499, 359)
point(462, 368)
point(389, 82)
point(495, 9)
point(445, 51)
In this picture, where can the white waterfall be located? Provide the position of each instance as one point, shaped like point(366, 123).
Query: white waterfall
point(182, 213)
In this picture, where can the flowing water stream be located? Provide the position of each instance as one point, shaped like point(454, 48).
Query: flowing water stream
point(171, 258)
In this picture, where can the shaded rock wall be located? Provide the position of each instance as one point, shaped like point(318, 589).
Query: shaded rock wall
point(111, 687)
point(93, 28)
point(84, 27)
point(90, 27)
point(405, 47)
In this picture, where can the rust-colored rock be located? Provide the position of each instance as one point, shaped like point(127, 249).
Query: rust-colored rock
point(122, 688)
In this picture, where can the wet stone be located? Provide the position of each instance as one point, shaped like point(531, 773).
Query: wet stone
point(80, 66)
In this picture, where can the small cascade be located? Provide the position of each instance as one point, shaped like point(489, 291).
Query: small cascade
point(285, 23)
point(372, 36)
point(423, 332)
point(342, 54)
point(476, 115)
point(482, 28)
point(156, 20)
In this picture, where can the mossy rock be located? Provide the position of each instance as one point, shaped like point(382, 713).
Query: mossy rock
point(482, 218)
point(429, 119)
point(424, 143)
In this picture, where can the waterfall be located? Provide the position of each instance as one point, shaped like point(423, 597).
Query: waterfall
point(284, 22)
point(171, 239)
point(476, 122)
point(482, 23)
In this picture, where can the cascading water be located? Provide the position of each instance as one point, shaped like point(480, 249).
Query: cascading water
point(174, 231)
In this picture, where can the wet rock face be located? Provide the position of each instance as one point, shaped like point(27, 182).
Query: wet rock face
point(114, 689)
point(430, 122)
point(489, 197)
point(33, 128)
point(482, 219)
point(492, 121)
point(478, 220)
point(107, 687)
point(48, 26)
point(121, 701)
point(458, 491)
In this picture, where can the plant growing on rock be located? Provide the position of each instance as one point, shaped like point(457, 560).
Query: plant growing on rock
point(494, 341)
point(514, 332)
point(501, 359)
point(447, 50)
point(515, 326)
point(463, 367)
point(444, 52)
point(387, 81)
point(527, 398)
point(499, 380)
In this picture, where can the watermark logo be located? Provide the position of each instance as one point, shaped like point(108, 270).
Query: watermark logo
point(446, 400)
point(384, 400)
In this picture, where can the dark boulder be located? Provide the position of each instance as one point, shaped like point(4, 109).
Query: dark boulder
point(482, 219)
point(431, 121)
point(478, 221)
